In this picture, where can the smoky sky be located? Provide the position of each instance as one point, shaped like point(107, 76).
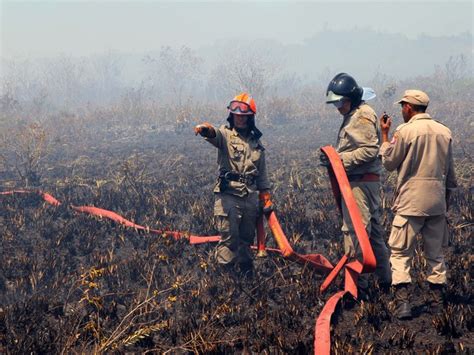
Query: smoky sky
point(49, 28)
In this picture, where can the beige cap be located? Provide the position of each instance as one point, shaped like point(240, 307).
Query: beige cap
point(415, 97)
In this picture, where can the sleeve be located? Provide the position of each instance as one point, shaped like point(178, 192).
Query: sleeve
point(393, 153)
point(363, 135)
point(451, 183)
point(219, 140)
point(262, 178)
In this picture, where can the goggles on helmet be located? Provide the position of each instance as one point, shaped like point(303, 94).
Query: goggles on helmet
point(240, 107)
point(331, 97)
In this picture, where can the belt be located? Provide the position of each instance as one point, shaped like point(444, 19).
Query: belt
point(235, 176)
point(364, 177)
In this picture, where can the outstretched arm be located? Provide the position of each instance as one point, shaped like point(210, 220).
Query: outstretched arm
point(205, 130)
point(210, 133)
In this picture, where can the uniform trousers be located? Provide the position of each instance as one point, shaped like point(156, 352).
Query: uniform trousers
point(434, 231)
point(367, 196)
point(236, 220)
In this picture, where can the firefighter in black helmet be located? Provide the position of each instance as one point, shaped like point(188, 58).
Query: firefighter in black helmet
point(344, 86)
point(358, 144)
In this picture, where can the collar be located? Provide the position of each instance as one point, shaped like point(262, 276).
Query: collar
point(353, 111)
point(236, 133)
point(420, 116)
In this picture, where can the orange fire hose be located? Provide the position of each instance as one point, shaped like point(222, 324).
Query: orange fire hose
point(319, 262)
point(102, 213)
point(342, 192)
point(260, 237)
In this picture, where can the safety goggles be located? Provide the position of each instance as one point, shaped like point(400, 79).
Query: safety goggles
point(241, 107)
point(332, 97)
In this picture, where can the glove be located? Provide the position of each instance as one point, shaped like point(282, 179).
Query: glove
point(324, 160)
point(265, 204)
point(205, 130)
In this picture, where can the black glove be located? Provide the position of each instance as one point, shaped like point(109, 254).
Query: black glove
point(205, 129)
point(324, 160)
point(265, 203)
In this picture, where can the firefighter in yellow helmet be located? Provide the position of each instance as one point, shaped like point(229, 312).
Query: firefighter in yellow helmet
point(242, 186)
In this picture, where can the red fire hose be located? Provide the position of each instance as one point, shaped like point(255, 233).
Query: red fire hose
point(342, 188)
point(342, 191)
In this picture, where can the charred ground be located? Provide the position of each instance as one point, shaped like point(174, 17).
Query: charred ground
point(71, 283)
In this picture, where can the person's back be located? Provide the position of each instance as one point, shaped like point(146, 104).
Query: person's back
point(423, 163)
point(421, 151)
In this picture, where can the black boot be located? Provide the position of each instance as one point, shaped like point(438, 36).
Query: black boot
point(437, 297)
point(228, 269)
point(385, 287)
point(363, 294)
point(402, 302)
point(246, 270)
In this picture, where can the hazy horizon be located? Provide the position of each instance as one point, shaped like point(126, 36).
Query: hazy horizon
point(83, 28)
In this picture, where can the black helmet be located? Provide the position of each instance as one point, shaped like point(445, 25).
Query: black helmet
point(343, 85)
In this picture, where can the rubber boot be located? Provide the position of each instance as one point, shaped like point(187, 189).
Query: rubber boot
point(246, 270)
point(228, 269)
point(363, 294)
point(402, 302)
point(385, 288)
point(437, 293)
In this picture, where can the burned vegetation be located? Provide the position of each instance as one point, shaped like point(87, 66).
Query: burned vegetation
point(72, 283)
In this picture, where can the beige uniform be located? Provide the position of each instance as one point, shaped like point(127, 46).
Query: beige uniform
point(421, 151)
point(236, 203)
point(358, 146)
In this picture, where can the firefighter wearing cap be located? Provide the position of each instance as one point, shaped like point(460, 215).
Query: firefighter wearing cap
point(358, 145)
point(242, 185)
point(421, 152)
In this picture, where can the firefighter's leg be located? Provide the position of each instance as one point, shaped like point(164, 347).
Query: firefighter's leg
point(382, 254)
point(228, 218)
point(402, 244)
point(434, 234)
point(377, 235)
point(247, 232)
point(351, 243)
point(435, 237)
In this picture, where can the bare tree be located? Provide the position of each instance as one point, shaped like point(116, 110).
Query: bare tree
point(24, 148)
point(174, 73)
point(245, 68)
point(9, 105)
point(107, 70)
point(23, 92)
point(455, 69)
point(66, 80)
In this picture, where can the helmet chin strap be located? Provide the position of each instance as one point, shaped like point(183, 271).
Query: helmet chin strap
point(250, 125)
point(355, 104)
point(243, 131)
